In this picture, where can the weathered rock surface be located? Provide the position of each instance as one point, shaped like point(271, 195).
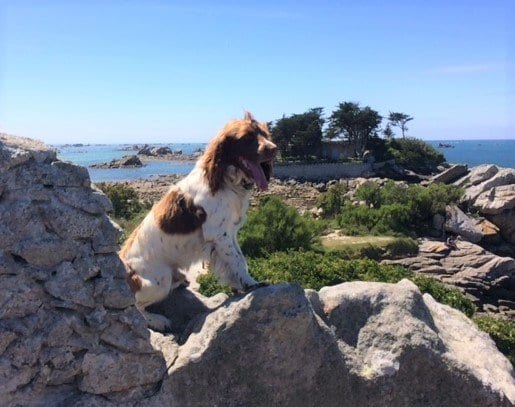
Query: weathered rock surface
point(450, 174)
point(70, 335)
point(459, 223)
point(128, 161)
point(67, 321)
point(487, 279)
point(353, 344)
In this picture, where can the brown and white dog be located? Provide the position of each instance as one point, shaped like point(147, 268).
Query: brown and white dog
point(199, 218)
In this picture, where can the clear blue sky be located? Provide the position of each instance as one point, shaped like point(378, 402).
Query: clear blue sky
point(156, 70)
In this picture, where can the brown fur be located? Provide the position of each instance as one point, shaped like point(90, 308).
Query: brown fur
point(176, 213)
point(244, 138)
point(134, 282)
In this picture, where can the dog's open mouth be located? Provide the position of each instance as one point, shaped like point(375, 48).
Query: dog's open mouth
point(259, 172)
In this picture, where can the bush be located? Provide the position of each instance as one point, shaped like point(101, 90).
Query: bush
point(315, 270)
point(209, 285)
point(331, 202)
point(126, 203)
point(397, 209)
point(446, 295)
point(275, 226)
point(370, 192)
point(502, 332)
point(415, 155)
point(402, 247)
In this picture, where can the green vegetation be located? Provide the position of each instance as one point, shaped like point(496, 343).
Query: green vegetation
point(275, 226)
point(128, 209)
point(502, 332)
point(395, 209)
point(316, 270)
point(331, 202)
point(415, 155)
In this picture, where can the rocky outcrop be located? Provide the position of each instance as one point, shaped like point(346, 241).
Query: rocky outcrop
point(459, 223)
point(129, 161)
point(354, 344)
point(67, 324)
point(70, 335)
point(485, 278)
point(450, 174)
point(490, 191)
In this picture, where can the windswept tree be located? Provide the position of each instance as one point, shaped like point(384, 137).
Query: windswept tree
point(399, 120)
point(388, 132)
point(299, 136)
point(354, 123)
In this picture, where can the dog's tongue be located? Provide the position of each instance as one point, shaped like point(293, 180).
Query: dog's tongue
point(258, 175)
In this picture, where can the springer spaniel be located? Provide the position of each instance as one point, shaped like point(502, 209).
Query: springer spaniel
point(199, 218)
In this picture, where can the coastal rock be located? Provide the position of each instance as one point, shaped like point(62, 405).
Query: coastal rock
point(496, 200)
point(456, 221)
point(53, 322)
point(451, 174)
point(161, 151)
point(477, 175)
point(359, 343)
point(504, 176)
point(129, 161)
point(506, 223)
point(485, 278)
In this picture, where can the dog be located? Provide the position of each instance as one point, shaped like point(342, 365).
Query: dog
point(198, 219)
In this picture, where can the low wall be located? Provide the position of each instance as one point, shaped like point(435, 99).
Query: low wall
point(322, 172)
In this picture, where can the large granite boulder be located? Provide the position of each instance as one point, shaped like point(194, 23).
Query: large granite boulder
point(496, 200)
point(354, 344)
point(70, 335)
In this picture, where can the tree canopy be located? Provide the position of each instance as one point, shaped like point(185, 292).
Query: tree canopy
point(399, 120)
point(354, 123)
point(299, 136)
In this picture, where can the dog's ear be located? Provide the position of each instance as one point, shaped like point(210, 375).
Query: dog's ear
point(216, 162)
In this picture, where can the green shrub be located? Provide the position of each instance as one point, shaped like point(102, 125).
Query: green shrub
point(401, 247)
point(396, 209)
point(315, 270)
point(502, 332)
point(370, 192)
point(415, 155)
point(126, 203)
point(275, 226)
point(331, 202)
point(209, 285)
point(446, 295)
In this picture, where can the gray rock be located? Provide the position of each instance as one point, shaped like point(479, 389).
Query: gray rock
point(506, 223)
point(67, 284)
point(370, 344)
point(451, 174)
point(478, 175)
point(504, 176)
point(496, 200)
point(458, 222)
point(106, 371)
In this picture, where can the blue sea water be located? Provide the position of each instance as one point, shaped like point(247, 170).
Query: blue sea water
point(471, 152)
point(477, 152)
point(86, 155)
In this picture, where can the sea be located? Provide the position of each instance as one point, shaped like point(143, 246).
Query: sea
point(470, 152)
point(89, 154)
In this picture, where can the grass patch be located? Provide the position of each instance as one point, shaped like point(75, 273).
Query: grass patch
point(502, 331)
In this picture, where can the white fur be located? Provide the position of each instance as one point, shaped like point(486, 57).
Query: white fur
point(156, 257)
